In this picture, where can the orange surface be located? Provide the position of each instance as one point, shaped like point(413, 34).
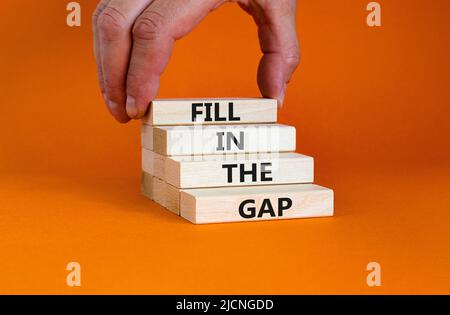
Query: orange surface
point(370, 104)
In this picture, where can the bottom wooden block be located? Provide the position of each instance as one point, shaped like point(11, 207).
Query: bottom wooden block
point(233, 204)
point(147, 185)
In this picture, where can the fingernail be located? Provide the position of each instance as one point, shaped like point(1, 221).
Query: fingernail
point(132, 110)
point(282, 95)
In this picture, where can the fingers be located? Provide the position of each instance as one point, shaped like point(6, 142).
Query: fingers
point(133, 41)
point(114, 26)
point(276, 22)
point(154, 34)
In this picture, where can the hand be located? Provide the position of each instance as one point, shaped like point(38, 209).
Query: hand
point(133, 41)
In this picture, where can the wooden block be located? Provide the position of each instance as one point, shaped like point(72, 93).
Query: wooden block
point(147, 137)
point(161, 192)
point(211, 111)
point(147, 185)
point(219, 139)
point(167, 195)
point(234, 204)
point(231, 204)
point(172, 201)
point(197, 171)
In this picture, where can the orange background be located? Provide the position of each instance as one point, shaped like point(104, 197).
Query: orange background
point(370, 104)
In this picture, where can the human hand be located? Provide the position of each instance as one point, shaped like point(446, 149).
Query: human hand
point(133, 41)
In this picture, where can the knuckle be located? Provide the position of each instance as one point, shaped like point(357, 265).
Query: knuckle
point(148, 26)
point(111, 23)
point(292, 57)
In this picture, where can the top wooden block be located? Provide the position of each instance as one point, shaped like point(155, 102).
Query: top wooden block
point(211, 111)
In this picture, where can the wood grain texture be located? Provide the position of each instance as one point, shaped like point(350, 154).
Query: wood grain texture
point(161, 192)
point(196, 171)
point(215, 205)
point(219, 139)
point(211, 111)
point(147, 137)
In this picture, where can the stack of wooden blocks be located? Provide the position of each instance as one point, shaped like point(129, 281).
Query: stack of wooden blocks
point(227, 160)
